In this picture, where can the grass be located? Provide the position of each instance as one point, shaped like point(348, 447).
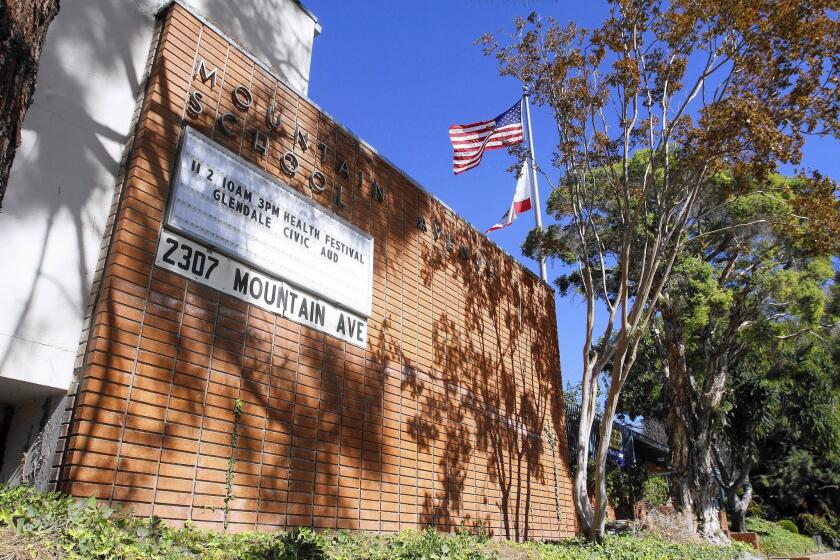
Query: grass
point(775, 540)
point(40, 526)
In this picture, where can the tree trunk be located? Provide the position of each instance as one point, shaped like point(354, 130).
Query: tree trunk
point(592, 519)
point(583, 508)
point(693, 485)
point(694, 488)
point(23, 29)
point(604, 438)
point(737, 506)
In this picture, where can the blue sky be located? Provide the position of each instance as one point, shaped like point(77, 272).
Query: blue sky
point(399, 73)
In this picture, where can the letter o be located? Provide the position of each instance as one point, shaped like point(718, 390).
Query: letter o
point(317, 181)
point(289, 163)
point(254, 292)
point(242, 97)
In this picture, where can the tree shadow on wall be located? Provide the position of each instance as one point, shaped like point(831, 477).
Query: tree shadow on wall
point(488, 407)
point(250, 21)
point(69, 170)
point(308, 419)
point(474, 402)
point(69, 166)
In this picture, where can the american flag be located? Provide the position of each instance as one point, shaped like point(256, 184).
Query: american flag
point(470, 141)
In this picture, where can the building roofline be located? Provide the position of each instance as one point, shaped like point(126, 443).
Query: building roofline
point(276, 75)
point(308, 12)
point(649, 441)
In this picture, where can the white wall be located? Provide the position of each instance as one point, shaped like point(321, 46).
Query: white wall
point(64, 172)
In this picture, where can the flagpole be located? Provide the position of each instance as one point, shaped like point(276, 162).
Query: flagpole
point(537, 210)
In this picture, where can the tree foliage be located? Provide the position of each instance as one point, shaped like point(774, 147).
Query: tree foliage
point(744, 323)
point(649, 107)
point(798, 466)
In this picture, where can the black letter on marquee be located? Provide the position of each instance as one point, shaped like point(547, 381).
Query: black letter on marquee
point(260, 143)
point(463, 252)
point(361, 179)
point(421, 224)
point(317, 181)
point(289, 163)
point(194, 107)
point(450, 242)
point(338, 201)
point(343, 168)
point(378, 191)
point(274, 123)
point(240, 282)
point(323, 148)
point(223, 123)
point(242, 97)
point(320, 314)
point(302, 138)
point(205, 76)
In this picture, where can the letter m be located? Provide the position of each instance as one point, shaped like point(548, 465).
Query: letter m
point(240, 281)
point(206, 76)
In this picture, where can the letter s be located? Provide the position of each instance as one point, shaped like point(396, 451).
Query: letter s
point(194, 106)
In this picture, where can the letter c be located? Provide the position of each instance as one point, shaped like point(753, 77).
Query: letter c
point(223, 120)
point(289, 162)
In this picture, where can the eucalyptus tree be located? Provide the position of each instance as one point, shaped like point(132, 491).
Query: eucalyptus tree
point(751, 285)
point(648, 107)
point(751, 280)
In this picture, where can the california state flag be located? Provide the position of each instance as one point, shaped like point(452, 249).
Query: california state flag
point(521, 199)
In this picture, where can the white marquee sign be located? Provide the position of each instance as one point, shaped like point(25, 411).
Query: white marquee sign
point(236, 208)
point(201, 264)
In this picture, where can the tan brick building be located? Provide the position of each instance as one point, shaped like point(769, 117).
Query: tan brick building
point(442, 417)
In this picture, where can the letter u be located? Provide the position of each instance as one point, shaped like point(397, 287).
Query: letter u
point(270, 301)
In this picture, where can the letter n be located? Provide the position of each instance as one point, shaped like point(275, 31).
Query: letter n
point(302, 138)
point(378, 192)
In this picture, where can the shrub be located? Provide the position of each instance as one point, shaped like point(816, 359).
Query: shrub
point(816, 525)
point(301, 544)
point(673, 526)
point(655, 491)
point(639, 547)
point(776, 541)
point(789, 525)
point(755, 509)
point(52, 525)
point(625, 487)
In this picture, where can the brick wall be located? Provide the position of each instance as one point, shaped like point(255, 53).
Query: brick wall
point(440, 421)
